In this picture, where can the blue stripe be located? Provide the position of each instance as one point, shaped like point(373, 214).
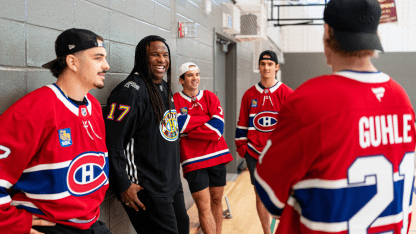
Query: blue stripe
point(63, 94)
point(50, 181)
point(254, 150)
point(205, 159)
point(3, 192)
point(30, 209)
point(274, 210)
point(217, 124)
point(251, 122)
point(240, 133)
point(181, 121)
point(339, 205)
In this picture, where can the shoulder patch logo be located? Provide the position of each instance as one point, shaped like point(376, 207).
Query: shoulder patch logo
point(379, 92)
point(87, 173)
point(265, 121)
point(65, 138)
point(169, 126)
point(253, 102)
point(184, 110)
point(132, 84)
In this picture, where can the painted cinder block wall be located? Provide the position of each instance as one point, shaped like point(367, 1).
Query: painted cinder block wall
point(28, 29)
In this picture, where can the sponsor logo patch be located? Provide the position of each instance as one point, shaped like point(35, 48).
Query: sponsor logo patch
point(253, 102)
point(265, 121)
point(184, 110)
point(65, 138)
point(86, 173)
point(169, 126)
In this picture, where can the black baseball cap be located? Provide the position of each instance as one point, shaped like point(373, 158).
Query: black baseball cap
point(270, 53)
point(355, 23)
point(71, 41)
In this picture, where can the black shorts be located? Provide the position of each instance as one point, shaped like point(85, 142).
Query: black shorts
point(97, 228)
point(251, 165)
point(207, 177)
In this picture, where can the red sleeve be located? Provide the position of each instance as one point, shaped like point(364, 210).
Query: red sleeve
point(242, 127)
point(214, 128)
point(18, 143)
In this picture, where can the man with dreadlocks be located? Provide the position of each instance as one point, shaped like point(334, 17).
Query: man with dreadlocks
point(142, 141)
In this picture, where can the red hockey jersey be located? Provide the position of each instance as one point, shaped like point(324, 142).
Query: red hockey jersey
point(258, 117)
point(342, 157)
point(201, 125)
point(53, 154)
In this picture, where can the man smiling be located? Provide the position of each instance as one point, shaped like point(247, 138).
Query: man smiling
point(204, 152)
point(142, 138)
point(260, 107)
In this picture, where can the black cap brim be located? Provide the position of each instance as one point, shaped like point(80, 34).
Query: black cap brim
point(356, 41)
point(50, 64)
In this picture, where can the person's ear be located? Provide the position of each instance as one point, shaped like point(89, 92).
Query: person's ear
point(277, 67)
point(71, 61)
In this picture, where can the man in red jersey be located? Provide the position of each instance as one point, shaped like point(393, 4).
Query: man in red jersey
point(204, 152)
point(342, 157)
point(53, 157)
point(259, 112)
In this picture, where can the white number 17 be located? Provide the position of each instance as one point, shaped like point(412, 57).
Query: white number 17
point(380, 168)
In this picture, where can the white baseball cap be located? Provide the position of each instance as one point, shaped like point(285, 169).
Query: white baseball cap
point(186, 67)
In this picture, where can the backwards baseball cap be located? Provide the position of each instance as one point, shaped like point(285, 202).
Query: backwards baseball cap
point(187, 67)
point(71, 41)
point(273, 56)
point(355, 23)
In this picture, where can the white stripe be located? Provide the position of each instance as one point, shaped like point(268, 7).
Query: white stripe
point(5, 200)
point(205, 156)
point(241, 138)
point(186, 123)
point(89, 106)
point(5, 184)
point(133, 162)
point(252, 128)
point(184, 96)
point(106, 154)
point(213, 129)
point(269, 191)
point(241, 127)
point(258, 88)
point(365, 77)
point(64, 100)
point(129, 168)
point(75, 220)
point(341, 226)
point(23, 203)
point(266, 148)
point(275, 87)
point(252, 115)
point(200, 94)
point(338, 184)
point(55, 196)
point(253, 148)
point(51, 166)
point(218, 117)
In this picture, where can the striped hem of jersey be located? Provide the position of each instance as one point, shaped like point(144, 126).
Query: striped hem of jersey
point(55, 196)
point(342, 226)
point(75, 220)
point(269, 191)
point(28, 206)
point(205, 157)
point(250, 146)
point(50, 166)
point(241, 138)
point(241, 127)
point(214, 129)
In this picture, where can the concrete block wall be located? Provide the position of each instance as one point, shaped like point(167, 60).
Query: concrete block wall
point(29, 29)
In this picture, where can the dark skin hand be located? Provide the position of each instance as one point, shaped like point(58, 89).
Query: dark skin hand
point(129, 197)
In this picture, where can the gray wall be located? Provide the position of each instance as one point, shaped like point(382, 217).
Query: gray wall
point(29, 28)
point(300, 67)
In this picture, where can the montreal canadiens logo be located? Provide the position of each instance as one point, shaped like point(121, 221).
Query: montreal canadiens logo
point(86, 173)
point(169, 126)
point(265, 121)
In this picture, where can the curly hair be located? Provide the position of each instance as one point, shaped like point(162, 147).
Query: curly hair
point(141, 66)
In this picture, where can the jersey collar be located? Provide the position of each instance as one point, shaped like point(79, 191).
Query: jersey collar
point(364, 77)
point(189, 99)
point(260, 87)
point(74, 108)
